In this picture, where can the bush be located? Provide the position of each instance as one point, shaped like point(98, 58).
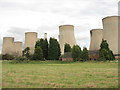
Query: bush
point(7, 57)
point(21, 58)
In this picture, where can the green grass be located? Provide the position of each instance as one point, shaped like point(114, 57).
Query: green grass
point(57, 74)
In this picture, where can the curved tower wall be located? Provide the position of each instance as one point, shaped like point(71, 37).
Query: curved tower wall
point(7, 47)
point(110, 32)
point(119, 36)
point(30, 41)
point(66, 35)
point(96, 39)
point(17, 49)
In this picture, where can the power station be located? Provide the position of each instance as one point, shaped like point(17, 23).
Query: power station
point(66, 35)
point(109, 32)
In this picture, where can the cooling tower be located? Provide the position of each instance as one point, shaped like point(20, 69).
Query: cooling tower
point(66, 35)
point(96, 39)
point(30, 41)
point(7, 47)
point(17, 51)
point(119, 36)
point(110, 32)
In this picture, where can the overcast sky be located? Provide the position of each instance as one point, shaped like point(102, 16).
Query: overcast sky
point(45, 16)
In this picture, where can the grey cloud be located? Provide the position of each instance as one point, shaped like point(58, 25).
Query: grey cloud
point(17, 32)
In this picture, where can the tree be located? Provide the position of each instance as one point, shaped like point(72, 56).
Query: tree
point(46, 49)
point(105, 53)
point(85, 54)
point(26, 52)
point(38, 55)
point(67, 48)
point(76, 52)
point(53, 49)
point(43, 43)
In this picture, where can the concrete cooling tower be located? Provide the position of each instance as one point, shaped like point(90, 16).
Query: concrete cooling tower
point(110, 32)
point(96, 39)
point(7, 47)
point(119, 36)
point(17, 48)
point(66, 35)
point(30, 41)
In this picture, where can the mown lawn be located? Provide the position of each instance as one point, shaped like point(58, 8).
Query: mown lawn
point(57, 74)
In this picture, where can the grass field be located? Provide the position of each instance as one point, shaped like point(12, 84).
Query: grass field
point(57, 74)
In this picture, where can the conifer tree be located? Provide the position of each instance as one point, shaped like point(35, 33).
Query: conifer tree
point(85, 54)
point(53, 49)
point(76, 53)
point(43, 43)
point(105, 53)
point(67, 48)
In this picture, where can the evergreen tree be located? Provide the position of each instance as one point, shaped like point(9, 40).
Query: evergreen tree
point(105, 53)
point(53, 49)
point(46, 49)
point(76, 53)
point(43, 43)
point(67, 48)
point(38, 55)
point(85, 54)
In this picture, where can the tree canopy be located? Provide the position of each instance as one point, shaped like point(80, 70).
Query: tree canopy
point(67, 48)
point(53, 49)
point(38, 55)
point(105, 53)
point(43, 43)
point(76, 53)
point(85, 54)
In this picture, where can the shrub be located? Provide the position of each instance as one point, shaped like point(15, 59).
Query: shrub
point(7, 57)
point(21, 58)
